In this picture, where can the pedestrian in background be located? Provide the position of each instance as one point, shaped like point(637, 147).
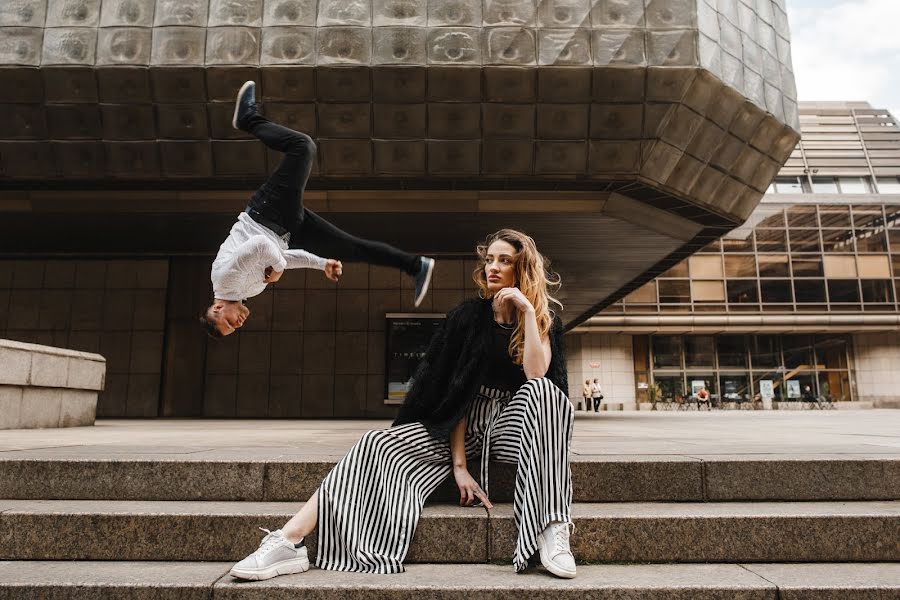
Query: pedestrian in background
point(596, 394)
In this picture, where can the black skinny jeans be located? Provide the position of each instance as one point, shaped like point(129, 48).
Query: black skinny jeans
point(279, 203)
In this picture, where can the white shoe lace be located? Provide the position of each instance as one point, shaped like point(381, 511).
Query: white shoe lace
point(268, 543)
point(561, 538)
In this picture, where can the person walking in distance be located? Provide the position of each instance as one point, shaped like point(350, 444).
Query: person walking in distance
point(276, 232)
point(596, 394)
point(586, 394)
point(488, 386)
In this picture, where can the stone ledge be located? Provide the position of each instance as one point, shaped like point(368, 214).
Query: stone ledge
point(38, 580)
point(27, 407)
point(625, 532)
point(50, 367)
point(44, 386)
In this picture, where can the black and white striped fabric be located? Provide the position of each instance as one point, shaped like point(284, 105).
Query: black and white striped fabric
point(371, 501)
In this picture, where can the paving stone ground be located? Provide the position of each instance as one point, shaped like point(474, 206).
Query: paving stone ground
point(693, 434)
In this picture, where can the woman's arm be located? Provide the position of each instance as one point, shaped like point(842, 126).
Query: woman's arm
point(468, 488)
point(537, 355)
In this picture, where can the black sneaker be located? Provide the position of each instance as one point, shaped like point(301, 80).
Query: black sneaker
point(423, 279)
point(245, 105)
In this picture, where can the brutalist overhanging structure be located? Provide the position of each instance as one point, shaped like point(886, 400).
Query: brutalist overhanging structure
point(670, 116)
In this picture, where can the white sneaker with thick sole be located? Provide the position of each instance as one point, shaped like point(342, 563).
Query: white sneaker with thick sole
point(275, 556)
point(553, 546)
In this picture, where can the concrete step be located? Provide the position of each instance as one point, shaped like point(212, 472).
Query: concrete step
point(608, 532)
point(209, 581)
point(58, 473)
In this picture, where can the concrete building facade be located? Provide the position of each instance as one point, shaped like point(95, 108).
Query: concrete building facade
point(624, 136)
point(803, 295)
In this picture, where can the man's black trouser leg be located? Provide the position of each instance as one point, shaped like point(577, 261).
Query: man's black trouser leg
point(280, 200)
point(315, 234)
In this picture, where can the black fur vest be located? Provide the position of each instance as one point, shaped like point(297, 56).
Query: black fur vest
point(453, 368)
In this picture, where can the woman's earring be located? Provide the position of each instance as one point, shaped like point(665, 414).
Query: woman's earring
point(481, 293)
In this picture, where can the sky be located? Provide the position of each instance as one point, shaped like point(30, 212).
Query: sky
point(847, 50)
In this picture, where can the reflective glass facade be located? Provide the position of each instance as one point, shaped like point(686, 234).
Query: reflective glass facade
point(731, 367)
point(804, 257)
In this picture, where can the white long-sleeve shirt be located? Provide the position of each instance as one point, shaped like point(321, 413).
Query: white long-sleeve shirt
point(239, 268)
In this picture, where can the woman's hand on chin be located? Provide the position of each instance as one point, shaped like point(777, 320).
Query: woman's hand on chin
point(469, 490)
point(514, 295)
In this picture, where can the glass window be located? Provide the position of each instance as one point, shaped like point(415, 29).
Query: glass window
point(740, 266)
point(771, 240)
point(835, 216)
point(712, 247)
point(679, 270)
point(835, 385)
point(695, 381)
point(807, 266)
point(788, 185)
point(706, 267)
point(871, 240)
point(888, 185)
point(735, 387)
point(837, 240)
point(841, 267)
point(802, 216)
point(800, 386)
point(674, 291)
point(804, 240)
point(777, 382)
point(768, 216)
point(732, 350)
point(843, 290)
point(854, 185)
point(764, 351)
point(894, 240)
point(874, 267)
point(824, 185)
point(892, 215)
point(646, 294)
point(809, 290)
point(671, 387)
point(831, 352)
point(708, 291)
point(867, 216)
point(877, 291)
point(895, 262)
point(776, 291)
point(742, 291)
point(773, 265)
point(699, 351)
point(797, 351)
point(666, 351)
point(740, 242)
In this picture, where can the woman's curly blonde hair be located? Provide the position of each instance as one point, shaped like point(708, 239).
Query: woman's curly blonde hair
point(533, 278)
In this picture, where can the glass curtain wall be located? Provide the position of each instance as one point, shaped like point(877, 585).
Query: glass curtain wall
point(731, 367)
point(787, 258)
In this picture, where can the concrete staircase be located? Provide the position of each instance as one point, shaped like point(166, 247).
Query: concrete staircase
point(767, 527)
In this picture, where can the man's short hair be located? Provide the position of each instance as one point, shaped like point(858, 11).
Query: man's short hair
point(211, 325)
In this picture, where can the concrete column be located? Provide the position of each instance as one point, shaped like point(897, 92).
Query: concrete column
point(876, 356)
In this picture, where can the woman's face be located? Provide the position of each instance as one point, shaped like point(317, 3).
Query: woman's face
point(500, 266)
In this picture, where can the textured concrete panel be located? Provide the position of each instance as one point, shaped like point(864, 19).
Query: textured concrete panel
point(699, 95)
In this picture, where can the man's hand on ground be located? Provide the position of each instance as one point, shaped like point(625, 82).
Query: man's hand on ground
point(271, 275)
point(333, 269)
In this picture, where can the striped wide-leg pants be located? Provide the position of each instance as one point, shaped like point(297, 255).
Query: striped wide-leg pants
point(370, 503)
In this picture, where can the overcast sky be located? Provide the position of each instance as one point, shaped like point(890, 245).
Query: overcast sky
point(847, 50)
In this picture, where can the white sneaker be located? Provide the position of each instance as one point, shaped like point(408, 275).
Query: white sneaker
point(553, 546)
point(275, 556)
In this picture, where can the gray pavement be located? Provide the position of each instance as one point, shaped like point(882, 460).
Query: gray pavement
point(778, 434)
